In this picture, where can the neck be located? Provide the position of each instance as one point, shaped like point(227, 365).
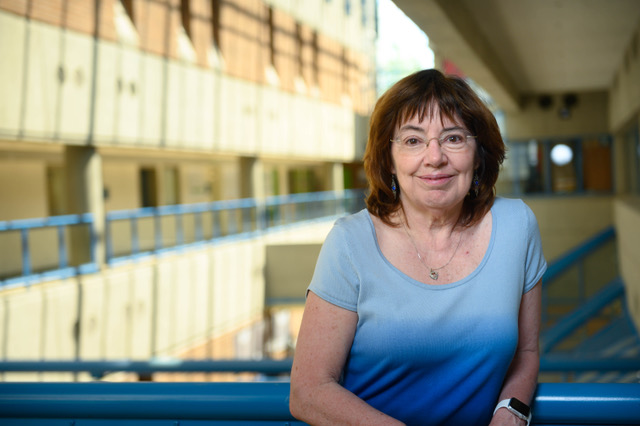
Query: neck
point(432, 222)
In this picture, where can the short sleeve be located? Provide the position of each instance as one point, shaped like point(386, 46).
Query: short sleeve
point(335, 279)
point(536, 264)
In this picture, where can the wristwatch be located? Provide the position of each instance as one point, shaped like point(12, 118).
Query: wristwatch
point(517, 407)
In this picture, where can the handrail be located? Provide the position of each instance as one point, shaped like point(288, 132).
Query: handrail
point(99, 369)
point(24, 226)
point(268, 402)
point(566, 363)
point(554, 335)
point(257, 216)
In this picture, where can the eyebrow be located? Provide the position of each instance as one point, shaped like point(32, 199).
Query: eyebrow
point(421, 130)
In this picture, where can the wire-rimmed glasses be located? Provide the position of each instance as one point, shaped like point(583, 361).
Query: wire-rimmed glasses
point(452, 141)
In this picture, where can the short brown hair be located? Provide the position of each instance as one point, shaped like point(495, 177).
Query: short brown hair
point(423, 93)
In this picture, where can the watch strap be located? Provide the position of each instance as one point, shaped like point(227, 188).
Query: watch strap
point(506, 403)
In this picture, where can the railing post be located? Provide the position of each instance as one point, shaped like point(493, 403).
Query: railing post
point(62, 248)
point(26, 255)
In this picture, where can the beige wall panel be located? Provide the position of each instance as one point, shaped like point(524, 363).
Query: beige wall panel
point(184, 298)
point(306, 127)
point(274, 133)
point(76, 88)
point(167, 287)
point(226, 131)
point(566, 222)
point(25, 325)
point(175, 107)
point(193, 95)
point(256, 277)
point(625, 95)
point(333, 20)
point(128, 95)
point(226, 271)
point(93, 317)
point(141, 310)
point(10, 254)
point(353, 26)
point(288, 271)
point(209, 109)
point(331, 131)
point(42, 80)
point(43, 246)
point(627, 215)
point(12, 34)
point(117, 331)
point(309, 12)
point(246, 119)
point(151, 99)
point(201, 275)
point(22, 189)
point(195, 185)
point(106, 85)
point(348, 130)
point(60, 314)
point(121, 179)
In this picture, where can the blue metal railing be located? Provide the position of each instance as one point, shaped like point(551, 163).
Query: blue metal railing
point(144, 369)
point(25, 227)
point(140, 232)
point(151, 404)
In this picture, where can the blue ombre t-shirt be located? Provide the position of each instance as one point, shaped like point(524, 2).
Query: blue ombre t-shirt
point(431, 354)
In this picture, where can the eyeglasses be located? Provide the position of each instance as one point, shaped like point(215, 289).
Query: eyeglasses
point(450, 141)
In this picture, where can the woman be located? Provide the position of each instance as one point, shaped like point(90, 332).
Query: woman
point(424, 308)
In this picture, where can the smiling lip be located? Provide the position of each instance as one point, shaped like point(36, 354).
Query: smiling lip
point(438, 179)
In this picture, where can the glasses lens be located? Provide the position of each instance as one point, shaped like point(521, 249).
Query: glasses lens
point(453, 141)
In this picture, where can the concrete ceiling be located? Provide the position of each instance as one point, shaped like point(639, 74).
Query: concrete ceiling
point(514, 48)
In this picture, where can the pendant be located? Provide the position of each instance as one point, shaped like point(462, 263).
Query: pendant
point(433, 274)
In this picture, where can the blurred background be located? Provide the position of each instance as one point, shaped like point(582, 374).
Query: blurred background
point(170, 168)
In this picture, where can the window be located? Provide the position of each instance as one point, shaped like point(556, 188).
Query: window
point(558, 166)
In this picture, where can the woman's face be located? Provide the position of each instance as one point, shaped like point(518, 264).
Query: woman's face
point(436, 177)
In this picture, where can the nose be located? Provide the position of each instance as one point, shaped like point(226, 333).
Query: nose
point(434, 156)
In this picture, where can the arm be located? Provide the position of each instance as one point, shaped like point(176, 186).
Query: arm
point(522, 377)
point(325, 338)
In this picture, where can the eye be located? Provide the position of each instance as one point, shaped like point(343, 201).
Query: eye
point(411, 142)
point(453, 138)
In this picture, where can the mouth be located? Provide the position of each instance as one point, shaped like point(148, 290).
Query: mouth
point(436, 179)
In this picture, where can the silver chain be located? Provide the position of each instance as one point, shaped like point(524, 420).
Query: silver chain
point(433, 272)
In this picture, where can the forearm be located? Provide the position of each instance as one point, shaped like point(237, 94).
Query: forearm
point(522, 377)
point(519, 383)
point(331, 404)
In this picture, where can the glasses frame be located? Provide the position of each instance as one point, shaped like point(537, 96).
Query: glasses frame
point(440, 140)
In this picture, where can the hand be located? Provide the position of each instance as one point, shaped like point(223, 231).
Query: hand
point(504, 417)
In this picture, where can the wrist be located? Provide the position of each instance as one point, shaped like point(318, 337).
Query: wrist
point(516, 408)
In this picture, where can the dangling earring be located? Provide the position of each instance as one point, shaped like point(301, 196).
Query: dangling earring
point(394, 187)
point(476, 183)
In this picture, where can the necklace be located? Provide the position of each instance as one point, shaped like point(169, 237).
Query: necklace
point(433, 272)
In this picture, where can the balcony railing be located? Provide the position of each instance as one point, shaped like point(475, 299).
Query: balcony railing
point(151, 404)
point(141, 232)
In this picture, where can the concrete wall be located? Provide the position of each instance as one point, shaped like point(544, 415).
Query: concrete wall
point(589, 116)
point(567, 221)
point(627, 217)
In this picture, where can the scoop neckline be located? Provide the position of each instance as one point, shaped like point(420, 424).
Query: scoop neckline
point(438, 287)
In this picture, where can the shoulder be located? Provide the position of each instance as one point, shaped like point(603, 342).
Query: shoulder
point(514, 215)
point(354, 224)
point(513, 208)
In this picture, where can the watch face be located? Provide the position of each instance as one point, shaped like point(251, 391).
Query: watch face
point(519, 406)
